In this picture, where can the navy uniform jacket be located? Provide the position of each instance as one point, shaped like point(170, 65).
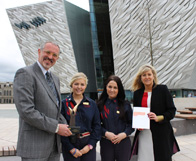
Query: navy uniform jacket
point(87, 117)
point(111, 121)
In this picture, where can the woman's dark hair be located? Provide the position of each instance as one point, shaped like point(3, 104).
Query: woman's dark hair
point(120, 97)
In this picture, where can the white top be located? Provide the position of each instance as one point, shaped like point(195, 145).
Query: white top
point(149, 99)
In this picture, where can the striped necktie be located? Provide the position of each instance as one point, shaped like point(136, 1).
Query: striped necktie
point(52, 86)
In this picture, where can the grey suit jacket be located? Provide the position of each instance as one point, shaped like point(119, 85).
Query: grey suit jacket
point(38, 111)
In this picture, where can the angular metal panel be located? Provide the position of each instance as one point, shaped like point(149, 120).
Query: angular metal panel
point(55, 29)
point(172, 28)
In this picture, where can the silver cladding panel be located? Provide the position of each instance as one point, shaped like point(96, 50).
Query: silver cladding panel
point(55, 29)
point(173, 29)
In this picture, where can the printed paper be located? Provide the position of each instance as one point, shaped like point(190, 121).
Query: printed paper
point(140, 118)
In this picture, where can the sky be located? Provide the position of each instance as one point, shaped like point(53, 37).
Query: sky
point(10, 55)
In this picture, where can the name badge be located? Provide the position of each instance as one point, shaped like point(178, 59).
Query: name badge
point(85, 103)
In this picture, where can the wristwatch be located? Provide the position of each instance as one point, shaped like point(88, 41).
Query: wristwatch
point(90, 146)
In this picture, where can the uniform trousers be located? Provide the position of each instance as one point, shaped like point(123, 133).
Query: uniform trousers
point(80, 143)
point(115, 152)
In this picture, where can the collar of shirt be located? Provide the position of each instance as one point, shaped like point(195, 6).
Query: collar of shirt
point(70, 98)
point(42, 68)
point(109, 101)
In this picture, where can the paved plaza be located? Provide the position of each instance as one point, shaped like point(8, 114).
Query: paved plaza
point(9, 132)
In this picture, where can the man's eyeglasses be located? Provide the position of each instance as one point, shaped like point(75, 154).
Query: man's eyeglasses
point(51, 53)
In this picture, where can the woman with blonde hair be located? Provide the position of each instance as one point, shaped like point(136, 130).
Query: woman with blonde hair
point(157, 143)
point(82, 115)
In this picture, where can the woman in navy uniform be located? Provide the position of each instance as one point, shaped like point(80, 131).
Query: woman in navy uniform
point(116, 120)
point(157, 143)
point(82, 146)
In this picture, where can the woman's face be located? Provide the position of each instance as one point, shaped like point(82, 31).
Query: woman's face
point(147, 78)
point(112, 89)
point(79, 86)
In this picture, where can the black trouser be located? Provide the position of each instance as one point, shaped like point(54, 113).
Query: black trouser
point(118, 152)
point(80, 143)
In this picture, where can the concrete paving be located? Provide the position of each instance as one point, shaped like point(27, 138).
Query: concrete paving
point(9, 133)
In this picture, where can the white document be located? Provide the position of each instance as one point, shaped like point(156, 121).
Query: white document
point(140, 118)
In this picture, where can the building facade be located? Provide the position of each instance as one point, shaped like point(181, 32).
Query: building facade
point(67, 25)
point(115, 37)
point(6, 92)
point(157, 32)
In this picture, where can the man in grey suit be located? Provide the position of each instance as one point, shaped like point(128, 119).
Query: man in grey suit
point(38, 103)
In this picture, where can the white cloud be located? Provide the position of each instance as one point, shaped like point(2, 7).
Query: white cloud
point(10, 55)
